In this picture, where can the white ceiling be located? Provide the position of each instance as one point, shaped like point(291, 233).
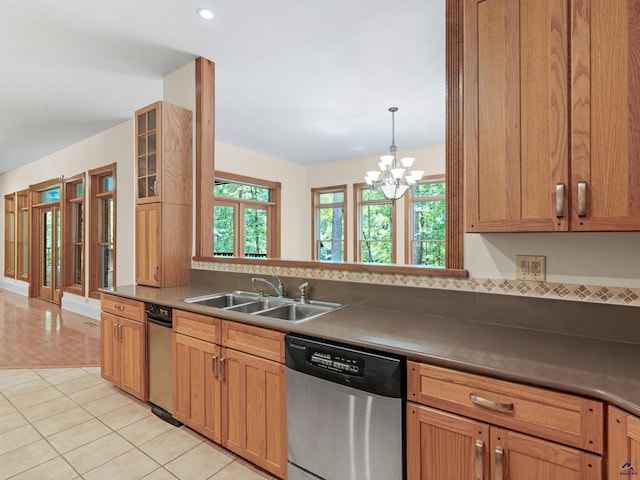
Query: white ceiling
point(304, 80)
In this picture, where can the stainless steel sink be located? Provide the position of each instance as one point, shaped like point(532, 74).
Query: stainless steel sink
point(256, 306)
point(224, 300)
point(295, 311)
point(287, 309)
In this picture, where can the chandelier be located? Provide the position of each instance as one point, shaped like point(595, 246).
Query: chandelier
point(394, 178)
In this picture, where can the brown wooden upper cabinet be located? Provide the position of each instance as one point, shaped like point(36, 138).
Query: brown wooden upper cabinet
point(552, 115)
point(164, 154)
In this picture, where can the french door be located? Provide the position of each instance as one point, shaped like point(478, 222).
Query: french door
point(48, 240)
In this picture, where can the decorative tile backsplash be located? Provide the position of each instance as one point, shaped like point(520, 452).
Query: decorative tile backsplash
point(564, 291)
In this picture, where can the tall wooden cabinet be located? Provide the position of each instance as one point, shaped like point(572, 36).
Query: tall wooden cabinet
point(467, 426)
point(163, 195)
point(551, 115)
point(623, 438)
point(230, 385)
point(124, 345)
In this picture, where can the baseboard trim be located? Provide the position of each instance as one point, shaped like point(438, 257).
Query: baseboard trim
point(15, 286)
point(81, 306)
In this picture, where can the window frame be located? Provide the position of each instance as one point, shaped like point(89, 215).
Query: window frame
point(272, 207)
point(71, 202)
point(96, 196)
point(23, 235)
point(410, 200)
point(10, 234)
point(316, 206)
point(358, 188)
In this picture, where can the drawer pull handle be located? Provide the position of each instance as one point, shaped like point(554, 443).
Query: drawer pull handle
point(118, 307)
point(582, 199)
point(499, 455)
point(214, 362)
point(479, 469)
point(560, 200)
point(491, 404)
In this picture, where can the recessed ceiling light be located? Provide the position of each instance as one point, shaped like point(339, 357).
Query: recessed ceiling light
point(205, 13)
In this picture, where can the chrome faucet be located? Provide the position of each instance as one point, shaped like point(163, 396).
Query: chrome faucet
point(303, 292)
point(279, 289)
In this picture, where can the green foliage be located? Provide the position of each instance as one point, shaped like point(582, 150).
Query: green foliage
point(224, 230)
point(376, 231)
point(241, 191)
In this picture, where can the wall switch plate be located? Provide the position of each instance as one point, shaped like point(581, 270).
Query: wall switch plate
point(531, 267)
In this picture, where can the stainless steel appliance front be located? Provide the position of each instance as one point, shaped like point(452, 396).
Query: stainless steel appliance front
point(341, 432)
point(159, 323)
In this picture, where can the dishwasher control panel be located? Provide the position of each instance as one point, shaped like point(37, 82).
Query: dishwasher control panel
point(335, 363)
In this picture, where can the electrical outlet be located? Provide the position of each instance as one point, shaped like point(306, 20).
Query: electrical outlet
point(531, 267)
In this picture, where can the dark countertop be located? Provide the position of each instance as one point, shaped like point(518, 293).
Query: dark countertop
point(603, 369)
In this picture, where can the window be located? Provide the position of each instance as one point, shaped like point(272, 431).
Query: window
point(426, 223)
point(10, 235)
point(22, 239)
point(329, 222)
point(375, 220)
point(102, 237)
point(74, 235)
point(245, 216)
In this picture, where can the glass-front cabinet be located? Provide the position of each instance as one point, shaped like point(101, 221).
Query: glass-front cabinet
point(163, 154)
point(146, 143)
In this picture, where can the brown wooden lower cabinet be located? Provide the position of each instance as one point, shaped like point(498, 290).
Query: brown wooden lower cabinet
point(444, 446)
point(235, 398)
point(254, 419)
point(123, 356)
point(623, 435)
point(196, 385)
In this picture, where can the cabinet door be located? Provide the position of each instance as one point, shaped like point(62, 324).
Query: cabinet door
point(148, 154)
point(516, 115)
point(516, 456)
point(623, 434)
point(605, 96)
point(110, 351)
point(133, 358)
point(254, 420)
point(196, 385)
point(148, 244)
point(443, 446)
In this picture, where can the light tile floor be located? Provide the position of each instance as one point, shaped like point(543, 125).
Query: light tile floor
point(68, 423)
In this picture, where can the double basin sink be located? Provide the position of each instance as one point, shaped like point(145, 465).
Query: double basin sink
point(272, 307)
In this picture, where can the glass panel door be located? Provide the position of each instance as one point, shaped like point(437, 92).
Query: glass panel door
point(50, 265)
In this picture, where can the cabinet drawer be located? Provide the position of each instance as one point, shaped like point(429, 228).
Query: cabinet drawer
point(123, 307)
point(255, 340)
point(197, 326)
point(563, 418)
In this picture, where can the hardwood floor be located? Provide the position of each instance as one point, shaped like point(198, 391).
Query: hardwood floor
point(35, 333)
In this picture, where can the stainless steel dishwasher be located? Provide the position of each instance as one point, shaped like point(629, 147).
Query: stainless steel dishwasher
point(159, 323)
point(345, 411)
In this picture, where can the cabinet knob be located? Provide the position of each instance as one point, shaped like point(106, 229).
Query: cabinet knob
point(479, 465)
point(491, 404)
point(560, 200)
point(582, 199)
point(499, 456)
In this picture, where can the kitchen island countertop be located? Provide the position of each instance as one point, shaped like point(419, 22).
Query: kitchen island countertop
point(603, 369)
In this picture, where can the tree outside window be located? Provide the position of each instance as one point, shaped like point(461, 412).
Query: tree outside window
point(375, 216)
point(426, 225)
point(329, 221)
point(244, 215)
